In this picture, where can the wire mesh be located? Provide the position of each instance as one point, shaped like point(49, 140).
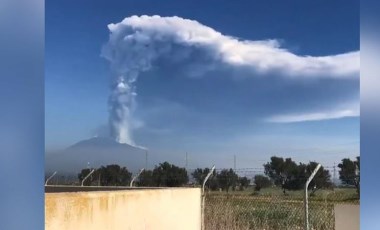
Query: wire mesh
point(272, 209)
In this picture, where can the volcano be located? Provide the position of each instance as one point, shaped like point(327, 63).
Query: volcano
point(95, 152)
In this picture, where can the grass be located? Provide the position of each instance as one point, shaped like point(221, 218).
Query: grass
point(271, 210)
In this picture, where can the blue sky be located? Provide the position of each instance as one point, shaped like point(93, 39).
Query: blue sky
point(224, 112)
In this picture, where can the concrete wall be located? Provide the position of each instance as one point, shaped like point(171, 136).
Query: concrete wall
point(347, 217)
point(175, 208)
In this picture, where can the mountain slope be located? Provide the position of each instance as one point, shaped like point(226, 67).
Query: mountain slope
point(94, 153)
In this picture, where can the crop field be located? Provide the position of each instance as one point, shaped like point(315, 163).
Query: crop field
point(270, 209)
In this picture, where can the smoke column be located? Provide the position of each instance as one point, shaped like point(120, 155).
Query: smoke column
point(121, 105)
point(192, 49)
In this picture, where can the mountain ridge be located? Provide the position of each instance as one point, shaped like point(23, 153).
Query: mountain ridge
point(95, 152)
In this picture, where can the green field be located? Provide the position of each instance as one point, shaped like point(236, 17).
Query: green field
point(271, 209)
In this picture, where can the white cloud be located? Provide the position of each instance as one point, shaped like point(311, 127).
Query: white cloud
point(137, 41)
point(352, 111)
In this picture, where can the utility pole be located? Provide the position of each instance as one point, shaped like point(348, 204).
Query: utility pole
point(235, 163)
point(146, 160)
point(186, 161)
point(99, 179)
point(334, 178)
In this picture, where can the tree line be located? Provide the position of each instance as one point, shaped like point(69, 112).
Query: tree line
point(292, 176)
point(163, 175)
point(280, 172)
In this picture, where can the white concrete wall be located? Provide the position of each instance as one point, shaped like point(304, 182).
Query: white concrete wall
point(347, 217)
point(176, 208)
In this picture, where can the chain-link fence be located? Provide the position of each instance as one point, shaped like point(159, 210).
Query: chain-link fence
point(271, 209)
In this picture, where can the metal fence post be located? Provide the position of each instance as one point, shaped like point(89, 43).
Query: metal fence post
point(135, 177)
point(203, 198)
point(306, 200)
point(47, 180)
point(92, 171)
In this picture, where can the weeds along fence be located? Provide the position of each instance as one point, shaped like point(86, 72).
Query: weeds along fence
point(271, 208)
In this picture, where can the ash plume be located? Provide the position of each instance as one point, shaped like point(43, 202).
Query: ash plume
point(139, 43)
point(121, 105)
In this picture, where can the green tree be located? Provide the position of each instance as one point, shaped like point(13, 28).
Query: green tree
point(213, 182)
point(293, 176)
point(227, 179)
point(261, 181)
point(113, 175)
point(285, 173)
point(169, 175)
point(200, 174)
point(243, 183)
point(321, 180)
point(83, 173)
point(349, 172)
point(146, 179)
point(275, 169)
